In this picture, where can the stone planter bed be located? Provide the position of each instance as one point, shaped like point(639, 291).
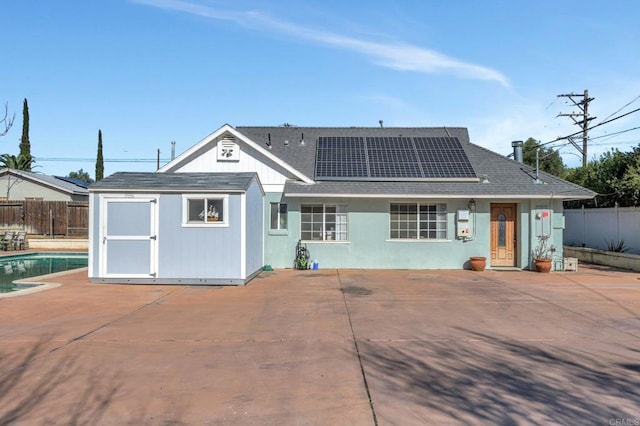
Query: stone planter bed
point(601, 257)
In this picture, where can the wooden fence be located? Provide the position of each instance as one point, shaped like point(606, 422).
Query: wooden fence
point(48, 218)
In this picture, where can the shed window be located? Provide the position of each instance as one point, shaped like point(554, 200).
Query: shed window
point(323, 222)
point(203, 210)
point(278, 216)
point(418, 221)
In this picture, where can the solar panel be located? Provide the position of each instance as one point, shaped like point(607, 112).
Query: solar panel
point(443, 158)
point(341, 157)
point(392, 158)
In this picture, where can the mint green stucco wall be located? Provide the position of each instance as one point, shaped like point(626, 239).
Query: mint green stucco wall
point(370, 247)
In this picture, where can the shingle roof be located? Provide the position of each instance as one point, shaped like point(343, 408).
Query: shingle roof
point(302, 157)
point(499, 176)
point(50, 181)
point(174, 182)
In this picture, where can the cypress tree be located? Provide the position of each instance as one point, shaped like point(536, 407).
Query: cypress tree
point(99, 159)
point(25, 145)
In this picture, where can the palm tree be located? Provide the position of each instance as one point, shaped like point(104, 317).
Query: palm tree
point(20, 162)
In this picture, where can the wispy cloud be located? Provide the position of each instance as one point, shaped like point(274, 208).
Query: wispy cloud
point(399, 56)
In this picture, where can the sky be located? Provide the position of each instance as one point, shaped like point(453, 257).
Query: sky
point(149, 72)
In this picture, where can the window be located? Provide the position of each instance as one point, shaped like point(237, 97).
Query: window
point(323, 222)
point(201, 210)
point(278, 216)
point(418, 221)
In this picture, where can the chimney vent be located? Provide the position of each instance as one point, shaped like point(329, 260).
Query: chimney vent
point(517, 151)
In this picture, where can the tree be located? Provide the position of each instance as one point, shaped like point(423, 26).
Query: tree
point(80, 175)
point(99, 159)
point(25, 145)
point(6, 122)
point(615, 176)
point(548, 159)
point(19, 162)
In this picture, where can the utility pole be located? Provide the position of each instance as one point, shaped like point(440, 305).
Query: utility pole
point(582, 102)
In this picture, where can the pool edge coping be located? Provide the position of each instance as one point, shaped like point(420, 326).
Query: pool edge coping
point(39, 285)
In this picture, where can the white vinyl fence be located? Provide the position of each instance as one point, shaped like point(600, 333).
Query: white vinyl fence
point(596, 228)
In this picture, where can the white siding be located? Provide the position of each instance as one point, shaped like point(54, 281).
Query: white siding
point(250, 161)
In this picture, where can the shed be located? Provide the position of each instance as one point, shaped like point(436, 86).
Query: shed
point(176, 228)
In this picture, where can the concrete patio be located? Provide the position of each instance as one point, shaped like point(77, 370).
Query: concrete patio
point(327, 347)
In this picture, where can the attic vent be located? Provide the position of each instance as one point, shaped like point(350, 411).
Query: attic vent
point(228, 149)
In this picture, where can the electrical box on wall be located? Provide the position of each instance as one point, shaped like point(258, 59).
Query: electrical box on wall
point(543, 220)
point(463, 229)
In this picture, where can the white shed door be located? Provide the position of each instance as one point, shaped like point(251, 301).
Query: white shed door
point(129, 237)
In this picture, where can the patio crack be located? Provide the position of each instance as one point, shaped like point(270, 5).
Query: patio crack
point(355, 344)
point(82, 336)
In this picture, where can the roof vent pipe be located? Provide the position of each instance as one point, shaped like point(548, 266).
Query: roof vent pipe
point(302, 139)
point(269, 142)
point(517, 151)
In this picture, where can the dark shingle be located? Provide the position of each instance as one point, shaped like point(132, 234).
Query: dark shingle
point(124, 181)
point(499, 176)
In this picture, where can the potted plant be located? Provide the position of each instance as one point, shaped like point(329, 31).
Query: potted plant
point(477, 263)
point(541, 254)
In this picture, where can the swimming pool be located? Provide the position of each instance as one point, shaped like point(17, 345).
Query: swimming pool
point(18, 267)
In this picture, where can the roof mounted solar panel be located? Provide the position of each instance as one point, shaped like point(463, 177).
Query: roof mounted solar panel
point(443, 158)
point(392, 157)
point(384, 158)
point(340, 157)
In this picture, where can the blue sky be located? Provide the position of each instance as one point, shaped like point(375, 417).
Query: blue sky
point(148, 72)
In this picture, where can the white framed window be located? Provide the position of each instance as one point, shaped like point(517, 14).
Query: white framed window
point(323, 222)
point(279, 217)
point(205, 210)
point(421, 221)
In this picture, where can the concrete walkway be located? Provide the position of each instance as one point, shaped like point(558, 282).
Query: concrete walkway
point(327, 347)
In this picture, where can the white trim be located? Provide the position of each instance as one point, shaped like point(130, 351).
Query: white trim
point(90, 250)
point(278, 217)
point(324, 221)
point(415, 240)
point(243, 236)
point(229, 129)
point(418, 229)
point(224, 223)
point(447, 196)
point(154, 201)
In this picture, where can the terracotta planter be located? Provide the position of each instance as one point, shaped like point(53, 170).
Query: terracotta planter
point(543, 265)
point(478, 263)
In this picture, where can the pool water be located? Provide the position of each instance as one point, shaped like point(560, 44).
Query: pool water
point(21, 266)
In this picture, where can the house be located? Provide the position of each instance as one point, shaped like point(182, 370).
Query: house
point(415, 198)
point(21, 185)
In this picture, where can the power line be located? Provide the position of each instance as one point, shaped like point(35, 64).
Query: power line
point(592, 127)
point(623, 107)
point(583, 105)
point(106, 160)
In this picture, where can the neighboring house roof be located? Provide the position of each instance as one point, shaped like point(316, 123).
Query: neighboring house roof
point(54, 182)
point(498, 176)
point(77, 182)
point(175, 182)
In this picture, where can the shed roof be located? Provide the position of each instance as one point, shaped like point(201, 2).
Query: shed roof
point(175, 182)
